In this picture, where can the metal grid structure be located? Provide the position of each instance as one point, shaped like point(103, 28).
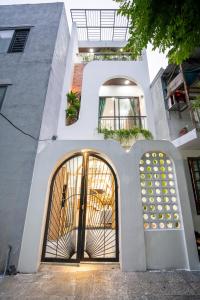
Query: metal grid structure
point(100, 24)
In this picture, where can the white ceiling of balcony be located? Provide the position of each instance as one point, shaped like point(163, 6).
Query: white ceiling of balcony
point(100, 25)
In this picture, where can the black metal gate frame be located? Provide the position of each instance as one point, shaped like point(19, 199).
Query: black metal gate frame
point(82, 213)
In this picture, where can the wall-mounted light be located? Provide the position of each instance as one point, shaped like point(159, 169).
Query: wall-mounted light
point(126, 82)
point(91, 50)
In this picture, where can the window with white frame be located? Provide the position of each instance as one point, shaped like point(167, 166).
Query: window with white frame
point(158, 189)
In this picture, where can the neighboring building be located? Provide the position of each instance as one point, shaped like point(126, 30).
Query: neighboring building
point(177, 115)
point(79, 197)
point(33, 48)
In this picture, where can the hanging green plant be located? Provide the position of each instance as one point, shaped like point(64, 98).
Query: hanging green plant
point(72, 111)
point(125, 135)
point(196, 104)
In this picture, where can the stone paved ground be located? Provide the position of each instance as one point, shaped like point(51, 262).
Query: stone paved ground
point(100, 283)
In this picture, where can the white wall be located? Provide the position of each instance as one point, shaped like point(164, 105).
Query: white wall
point(94, 75)
point(138, 251)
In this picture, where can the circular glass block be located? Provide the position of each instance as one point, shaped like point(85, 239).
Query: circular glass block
point(145, 216)
point(145, 208)
point(158, 199)
point(176, 216)
point(162, 169)
point(148, 162)
point(147, 154)
point(177, 225)
point(158, 191)
point(156, 176)
point(169, 225)
point(175, 207)
point(168, 216)
point(171, 183)
point(153, 225)
point(169, 169)
point(150, 192)
point(166, 199)
point(146, 226)
point(172, 191)
point(155, 169)
point(170, 176)
point(164, 183)
point(159, 207)
point(157, 183)
point(144, 192)
point(161, 154)
point(163, 176)
point(153, 216)
point(165, 191)
point(154, 154)
point(162, 162)
point(168, 161)
point(141, 162)
point(152, 207)
point(148, 169)
point(173, 199)
point(150, 183)
point(144, 199)
point(142, 176)
point(161, 225)
point(167, 207)
point(141, 169)
point(155, 162)
point(149, 176)
point(160, 216)
point(151, 200)
point(143, 183)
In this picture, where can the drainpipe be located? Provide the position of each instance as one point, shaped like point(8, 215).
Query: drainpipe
point(188, 98)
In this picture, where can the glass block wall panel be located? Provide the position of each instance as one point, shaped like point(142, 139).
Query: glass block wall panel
point(158, 189)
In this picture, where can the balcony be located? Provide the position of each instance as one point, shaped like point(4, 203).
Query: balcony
point(104, 56)
point(120, 122)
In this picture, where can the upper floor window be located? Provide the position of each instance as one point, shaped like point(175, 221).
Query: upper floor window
point(2, 94)
point(13, 40)
point(194, 164)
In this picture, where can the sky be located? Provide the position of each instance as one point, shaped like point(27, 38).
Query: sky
point(156, 60)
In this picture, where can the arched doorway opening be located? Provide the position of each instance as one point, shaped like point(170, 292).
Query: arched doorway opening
point(82, 217)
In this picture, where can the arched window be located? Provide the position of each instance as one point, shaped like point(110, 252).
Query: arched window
point(159, 193)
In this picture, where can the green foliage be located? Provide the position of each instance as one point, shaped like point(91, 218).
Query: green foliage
point(196, 104)
point(172, 26)
point(125, 135)
point(72, 112)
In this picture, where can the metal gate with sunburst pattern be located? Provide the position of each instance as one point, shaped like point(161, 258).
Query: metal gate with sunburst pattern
point(82, 217)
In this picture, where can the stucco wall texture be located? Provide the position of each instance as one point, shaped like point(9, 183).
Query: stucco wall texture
point(28, 74)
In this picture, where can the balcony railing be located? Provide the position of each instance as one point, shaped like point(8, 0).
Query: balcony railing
point(87, 57)
point(118, 122)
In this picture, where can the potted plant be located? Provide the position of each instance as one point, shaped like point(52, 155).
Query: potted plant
point(126, 137)
point(72, 111)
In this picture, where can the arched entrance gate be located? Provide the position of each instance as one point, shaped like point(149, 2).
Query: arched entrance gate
point(82, 217)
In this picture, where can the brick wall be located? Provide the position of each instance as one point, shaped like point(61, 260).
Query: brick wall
point(77, 77)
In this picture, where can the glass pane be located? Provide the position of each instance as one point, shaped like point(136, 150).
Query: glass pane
point(108, 113)
point(5, 39)
point(2, 93)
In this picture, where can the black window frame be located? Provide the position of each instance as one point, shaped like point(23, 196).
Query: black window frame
point(196, 190)
point(13, 40)
point(2, 100)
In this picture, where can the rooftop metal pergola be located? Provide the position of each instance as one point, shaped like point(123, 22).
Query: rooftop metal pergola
point(100, 24)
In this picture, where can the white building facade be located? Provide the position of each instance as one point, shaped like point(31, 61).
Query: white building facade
point(90, 198)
